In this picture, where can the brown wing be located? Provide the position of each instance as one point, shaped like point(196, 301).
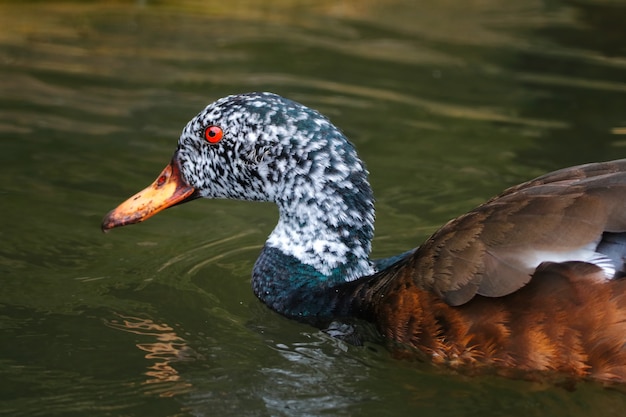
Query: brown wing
point(494, 249)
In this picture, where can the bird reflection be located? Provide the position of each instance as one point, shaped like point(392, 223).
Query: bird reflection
point(168, 349)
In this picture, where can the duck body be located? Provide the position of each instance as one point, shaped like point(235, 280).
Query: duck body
point(529, 281)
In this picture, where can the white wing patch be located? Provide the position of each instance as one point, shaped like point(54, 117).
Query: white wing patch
point(585, 254)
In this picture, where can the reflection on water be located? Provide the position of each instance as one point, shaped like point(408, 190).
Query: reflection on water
point(447, 102)
point(313, 370)
point(166, 351)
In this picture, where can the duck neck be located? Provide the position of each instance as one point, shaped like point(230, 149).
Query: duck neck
point(322, 240)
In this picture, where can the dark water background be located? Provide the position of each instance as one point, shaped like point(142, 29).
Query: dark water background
point(448, 103)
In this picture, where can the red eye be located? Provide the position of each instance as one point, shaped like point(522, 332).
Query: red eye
point(213, 134)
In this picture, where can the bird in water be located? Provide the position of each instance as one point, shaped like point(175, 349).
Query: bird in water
point(530, 282)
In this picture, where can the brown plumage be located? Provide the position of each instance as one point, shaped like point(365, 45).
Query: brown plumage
point(563, 317)
point(565, 320)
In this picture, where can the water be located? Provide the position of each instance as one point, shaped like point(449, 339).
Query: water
point(448, 104)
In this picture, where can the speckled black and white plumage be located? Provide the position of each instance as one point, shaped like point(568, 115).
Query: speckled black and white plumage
point(277, 150)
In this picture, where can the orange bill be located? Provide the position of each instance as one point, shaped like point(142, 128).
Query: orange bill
point(168, 189)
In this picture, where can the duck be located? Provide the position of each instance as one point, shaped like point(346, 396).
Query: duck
point(529, 283)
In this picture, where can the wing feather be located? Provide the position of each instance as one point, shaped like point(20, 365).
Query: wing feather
point(495, 249)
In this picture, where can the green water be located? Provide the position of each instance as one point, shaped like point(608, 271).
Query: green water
point(447, 102)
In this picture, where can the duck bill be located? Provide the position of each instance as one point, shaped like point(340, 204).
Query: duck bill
point(166, 191)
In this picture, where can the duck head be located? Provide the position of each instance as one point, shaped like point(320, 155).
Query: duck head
point(263, 147)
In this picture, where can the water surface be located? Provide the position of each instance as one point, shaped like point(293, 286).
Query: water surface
point(448, 103)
